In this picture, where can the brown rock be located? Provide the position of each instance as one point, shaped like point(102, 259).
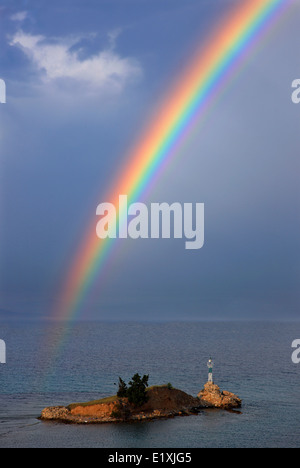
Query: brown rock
point(101, 411)
point(212, 397)
point(55, 413)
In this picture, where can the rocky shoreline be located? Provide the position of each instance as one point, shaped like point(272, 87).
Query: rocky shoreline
point(213, 397)
point(163, 402)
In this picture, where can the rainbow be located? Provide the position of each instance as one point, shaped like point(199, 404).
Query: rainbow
point(188, 99)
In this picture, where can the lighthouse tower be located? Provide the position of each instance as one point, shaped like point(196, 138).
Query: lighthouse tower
point(210, 366)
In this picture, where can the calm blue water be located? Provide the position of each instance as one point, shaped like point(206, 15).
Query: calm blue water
point(251, 359)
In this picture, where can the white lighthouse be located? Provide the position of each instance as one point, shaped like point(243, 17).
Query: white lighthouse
point(210, 366)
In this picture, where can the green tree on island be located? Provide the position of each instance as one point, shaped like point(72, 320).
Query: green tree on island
point(122, 392)
point(136, 390)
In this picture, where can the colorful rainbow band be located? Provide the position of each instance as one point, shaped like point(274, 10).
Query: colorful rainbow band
point(189, 98)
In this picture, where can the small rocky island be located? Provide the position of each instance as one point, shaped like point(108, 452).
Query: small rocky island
point(160, 402)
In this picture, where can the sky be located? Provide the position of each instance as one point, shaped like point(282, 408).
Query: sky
point(82, 79)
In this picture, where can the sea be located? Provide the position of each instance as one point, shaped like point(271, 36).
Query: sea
point(252, 359)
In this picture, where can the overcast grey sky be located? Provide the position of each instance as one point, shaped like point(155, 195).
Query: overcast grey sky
point(82, 78)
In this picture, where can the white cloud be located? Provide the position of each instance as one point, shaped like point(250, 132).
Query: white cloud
point(20, 16)
point(56, 61)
